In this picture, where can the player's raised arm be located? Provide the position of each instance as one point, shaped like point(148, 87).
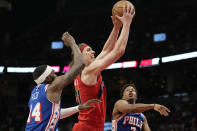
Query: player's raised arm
point(62, 81)
point(110, 43)
point(118, 50)
point(126, 20)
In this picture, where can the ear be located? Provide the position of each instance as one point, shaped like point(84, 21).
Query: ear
point(47, 79)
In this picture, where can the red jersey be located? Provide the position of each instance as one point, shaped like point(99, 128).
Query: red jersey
point(95, 116)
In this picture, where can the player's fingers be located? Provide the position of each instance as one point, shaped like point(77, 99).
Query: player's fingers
point(128, 8)
point(90, 107)
point(133, 14)
point(165, 111)
point(166, 114)
point(118, 17)
point(160, 112)
point(113, 18)
point(93, 101)
point(165, 108)
point(124, 9)
point(66, 33)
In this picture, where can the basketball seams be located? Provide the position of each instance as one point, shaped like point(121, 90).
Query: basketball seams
point(118, 7)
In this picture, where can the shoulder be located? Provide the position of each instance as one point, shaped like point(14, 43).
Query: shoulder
point(121, 102)
point(41, 85)
point(142, 116)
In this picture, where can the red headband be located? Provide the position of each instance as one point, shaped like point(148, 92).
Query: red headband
point(82, 48)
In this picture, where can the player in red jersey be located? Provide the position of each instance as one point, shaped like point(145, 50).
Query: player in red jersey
point(89, 84)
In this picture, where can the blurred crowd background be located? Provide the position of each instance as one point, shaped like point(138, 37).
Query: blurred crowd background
point(27, 29)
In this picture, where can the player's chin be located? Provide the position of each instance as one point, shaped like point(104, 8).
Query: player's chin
point(129, 98)
point(92, 59)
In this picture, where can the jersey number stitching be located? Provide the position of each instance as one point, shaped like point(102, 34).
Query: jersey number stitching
point(36, 114)
point(133, 128)
point(78, 98)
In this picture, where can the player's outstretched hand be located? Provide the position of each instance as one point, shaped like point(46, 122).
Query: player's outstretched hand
point(68, 39)
point(128, 15)
point(161, 109)
point(86, 105)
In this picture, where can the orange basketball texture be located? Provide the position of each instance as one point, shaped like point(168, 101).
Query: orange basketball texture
point(118, 7)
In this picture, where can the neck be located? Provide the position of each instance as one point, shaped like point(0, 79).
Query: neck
point(87, 63)
point(131, 101)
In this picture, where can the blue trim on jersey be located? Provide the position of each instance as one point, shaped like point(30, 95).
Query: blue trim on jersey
point(49, 114)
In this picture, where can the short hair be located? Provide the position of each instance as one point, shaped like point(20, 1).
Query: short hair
point(80, 45)
point(125, 86)
point(38, 71)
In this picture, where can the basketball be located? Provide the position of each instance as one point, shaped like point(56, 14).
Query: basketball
point(118, 7)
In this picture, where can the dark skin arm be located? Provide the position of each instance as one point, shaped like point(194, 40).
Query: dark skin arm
point(55, 88)
point(85, 106)
point(122, 106)
point(145, 125)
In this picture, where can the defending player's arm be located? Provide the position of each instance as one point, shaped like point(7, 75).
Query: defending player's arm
point(101, 63)
point(145, 125)
point(124, 107)
point(66, 112)
point(62, 81)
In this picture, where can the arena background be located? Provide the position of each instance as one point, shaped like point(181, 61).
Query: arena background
point(28, 27)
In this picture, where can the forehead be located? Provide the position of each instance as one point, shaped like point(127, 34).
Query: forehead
point(130, 87)
point(87, 48)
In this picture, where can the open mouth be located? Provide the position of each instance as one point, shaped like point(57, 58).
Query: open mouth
point(131, 94)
